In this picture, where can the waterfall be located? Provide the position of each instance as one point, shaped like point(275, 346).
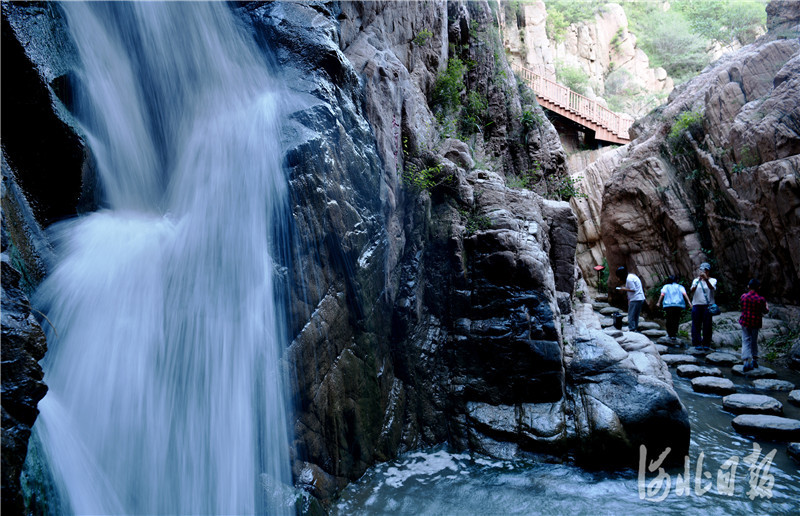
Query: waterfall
point(165, 387)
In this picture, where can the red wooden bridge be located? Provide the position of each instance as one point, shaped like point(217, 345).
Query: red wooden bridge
point(607, 125)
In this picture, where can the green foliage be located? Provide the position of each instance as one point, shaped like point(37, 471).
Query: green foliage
point(671, 44)
point(425, 178)
point(725, 21)
point(422, 37)
point(449, 85)
point(562, 188)
point(529, 120)
point(474, 221)
point(475, 114)
point(573, 77)
point(521, 182)
point(685, 121)
point(778, 346)
point(563, 13)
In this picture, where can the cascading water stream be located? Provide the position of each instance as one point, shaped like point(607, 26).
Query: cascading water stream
point(165, 390)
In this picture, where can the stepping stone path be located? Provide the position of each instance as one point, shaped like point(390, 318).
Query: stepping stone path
point(758, 372)
point(773, 385)
point(693, 371)
point(757, 414)
point(713, 385)
point(752, 404)
point(722, 358)
point(767, 427)
point(674, 360)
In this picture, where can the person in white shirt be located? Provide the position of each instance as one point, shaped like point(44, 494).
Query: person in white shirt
point(633, 287)
point(673, 296)
point(703, 289)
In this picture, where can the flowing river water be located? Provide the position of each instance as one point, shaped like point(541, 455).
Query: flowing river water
point(165, 393)
point(443, 481)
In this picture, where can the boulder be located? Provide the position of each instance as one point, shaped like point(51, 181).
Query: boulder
point(767, 427)
point(758, 372)
point(725, 359)
point(693, 371)
point(713, 385)
point(675, 360)
point(752, 404)
point(794, 397)
point(772, 385)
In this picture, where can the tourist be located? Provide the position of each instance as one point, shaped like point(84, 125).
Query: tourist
point(633, 287)
point(673, 296)
point(703, 289)
point(753, 307)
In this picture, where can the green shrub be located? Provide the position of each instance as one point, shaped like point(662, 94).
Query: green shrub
point(425, 178)
point(726, 21)
point(449, 85)
point(573, 77)
point(563, 13)
point(685, 121)
point(475, 115)
point(562, 188)
point(422, 37)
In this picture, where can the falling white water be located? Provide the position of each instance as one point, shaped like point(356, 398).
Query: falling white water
point(165, 390)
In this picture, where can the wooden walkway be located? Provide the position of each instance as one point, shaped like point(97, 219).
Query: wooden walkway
point(607, 125)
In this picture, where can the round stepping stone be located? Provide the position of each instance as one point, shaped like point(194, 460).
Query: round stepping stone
point(794, 397)
point(599, 305)
point(601, 298)
point(793, 450)
point(653, 334)
point(606, 322)
point(662, 349)
point(764, 384)
point(713, 385)
point(722, 358)
point(696, 352)
point(767, 427)
point(693, 371)
point(675, 360)
point(758, 372)
point(649, 325)
point(752, 404)
point(610, 310)
point(669, 341)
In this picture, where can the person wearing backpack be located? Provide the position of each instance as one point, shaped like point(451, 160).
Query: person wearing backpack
point(703, 289)
point(673, 296)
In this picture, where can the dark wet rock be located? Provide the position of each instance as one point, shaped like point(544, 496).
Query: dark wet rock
point(793, 449)
point(24, 345)
point(675, 360)
point(725, 359)
point(767, 427)
point(773, 385)
point(752, 404)
point(794, 355)
point(794, 397)
point(713, 385)
point(693, 371)
point(758, 372)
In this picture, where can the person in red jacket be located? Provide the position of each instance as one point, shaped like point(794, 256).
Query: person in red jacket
point(753, 308)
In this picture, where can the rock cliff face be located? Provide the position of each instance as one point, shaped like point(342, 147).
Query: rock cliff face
point(712, 175)
point(441, 314)
point(603, 48)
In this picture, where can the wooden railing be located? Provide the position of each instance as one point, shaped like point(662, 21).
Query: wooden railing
point(575, 103)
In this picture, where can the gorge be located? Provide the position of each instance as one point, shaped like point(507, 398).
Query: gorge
point(275, 256)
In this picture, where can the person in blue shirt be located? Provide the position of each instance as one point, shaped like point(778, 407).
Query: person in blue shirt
point(674, 299)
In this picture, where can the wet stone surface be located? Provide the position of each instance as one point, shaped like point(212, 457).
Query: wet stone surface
point(693, 371)
point(767, 427)
point(752, 404)
point(713, 385)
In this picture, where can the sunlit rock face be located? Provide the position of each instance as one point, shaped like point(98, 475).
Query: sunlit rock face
point(725, 189)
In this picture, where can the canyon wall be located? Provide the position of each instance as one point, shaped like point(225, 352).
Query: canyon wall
point(711, 176)
point(419, 315)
